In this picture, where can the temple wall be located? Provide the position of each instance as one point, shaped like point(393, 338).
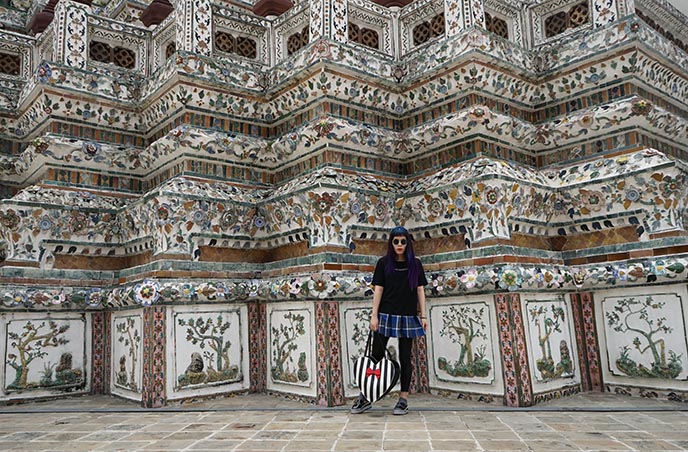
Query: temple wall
point(640, 348)
point(195, 208)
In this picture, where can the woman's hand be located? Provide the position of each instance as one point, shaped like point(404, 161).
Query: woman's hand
point(424, 322)
point(377, 296)
point(374, 323)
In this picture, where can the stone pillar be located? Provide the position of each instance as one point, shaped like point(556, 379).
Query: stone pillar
point(518, 388)
point(257, 346)
point(194, 26)
point(583, 307)
point(474, 13)
point(330, 378)
point(70, 42)
point(420, 381)
point(605, 12)
point(153, 392)
point(462, 14)
point(329, 19)
point(625, 7)
point(101, 341)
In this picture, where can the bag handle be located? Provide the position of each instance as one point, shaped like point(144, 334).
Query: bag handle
point(369, 344)
point(369, 347)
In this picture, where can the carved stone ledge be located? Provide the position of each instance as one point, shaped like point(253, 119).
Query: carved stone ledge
point(390, 3)
point(266, 8)
point(41, 20)
point(156, 12)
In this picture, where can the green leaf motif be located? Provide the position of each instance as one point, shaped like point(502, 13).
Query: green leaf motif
point(676, 267)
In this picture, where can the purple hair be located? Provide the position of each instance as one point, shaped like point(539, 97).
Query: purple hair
point(390, 258)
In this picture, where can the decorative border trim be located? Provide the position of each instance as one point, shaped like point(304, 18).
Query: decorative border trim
point(257, 346)
point(328, 351)
point(578, 327)
point(489, 399)
point(522, 365)
point(506, 348)
point(334, 285)
point(671, 395)
point(154, 394)
point(336, 373)
point(100, 341)
point(556, 394)
point(592, 345)
point(420, 375)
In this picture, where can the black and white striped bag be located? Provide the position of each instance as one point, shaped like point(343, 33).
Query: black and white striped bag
point(375, 379)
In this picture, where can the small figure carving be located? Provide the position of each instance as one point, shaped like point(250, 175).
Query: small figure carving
point(193, 374)
point(565, 365)
point(302, 373)
point(64, 373)
point(196, 364)
point(65, 362)
point(122, 377)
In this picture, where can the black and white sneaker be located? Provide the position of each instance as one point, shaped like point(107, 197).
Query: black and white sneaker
point(401, 407)
point(360, 405)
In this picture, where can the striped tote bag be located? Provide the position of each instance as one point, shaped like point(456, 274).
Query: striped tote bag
point(375, 378)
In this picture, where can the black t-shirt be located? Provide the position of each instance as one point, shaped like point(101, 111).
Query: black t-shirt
point(398, 298)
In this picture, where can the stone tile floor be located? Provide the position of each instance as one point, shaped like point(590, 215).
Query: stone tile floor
point(584, 422)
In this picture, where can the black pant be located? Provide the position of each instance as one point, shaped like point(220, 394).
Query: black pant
point(379, 348)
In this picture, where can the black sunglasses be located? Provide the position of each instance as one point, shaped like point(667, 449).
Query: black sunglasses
point(399, 241)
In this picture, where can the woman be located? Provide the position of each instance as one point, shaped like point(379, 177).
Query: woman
point(398, 309)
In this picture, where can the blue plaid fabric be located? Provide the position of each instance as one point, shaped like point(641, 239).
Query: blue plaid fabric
point(400, 325)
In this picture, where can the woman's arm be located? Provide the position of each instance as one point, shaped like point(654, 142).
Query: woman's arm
point(377, 296)
point(420, 290)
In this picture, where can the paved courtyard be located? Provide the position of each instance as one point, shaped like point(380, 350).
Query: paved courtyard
point(586, 422)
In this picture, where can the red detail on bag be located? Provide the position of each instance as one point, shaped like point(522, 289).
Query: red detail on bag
point(370, 372)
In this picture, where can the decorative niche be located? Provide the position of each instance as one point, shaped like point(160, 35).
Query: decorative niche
point(496, 25)
point(370, 25)
point(430, 29)
point(238, 45)
point(364, 36)
point(103, 52)
point(565, 20)
point(297, 40)
point(10, 64)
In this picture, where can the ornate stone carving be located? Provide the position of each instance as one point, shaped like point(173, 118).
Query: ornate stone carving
point(272, 7)
point(156, 12)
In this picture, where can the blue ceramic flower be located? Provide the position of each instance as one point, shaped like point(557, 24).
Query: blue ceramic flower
point(94, 297)
point(43, 72)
